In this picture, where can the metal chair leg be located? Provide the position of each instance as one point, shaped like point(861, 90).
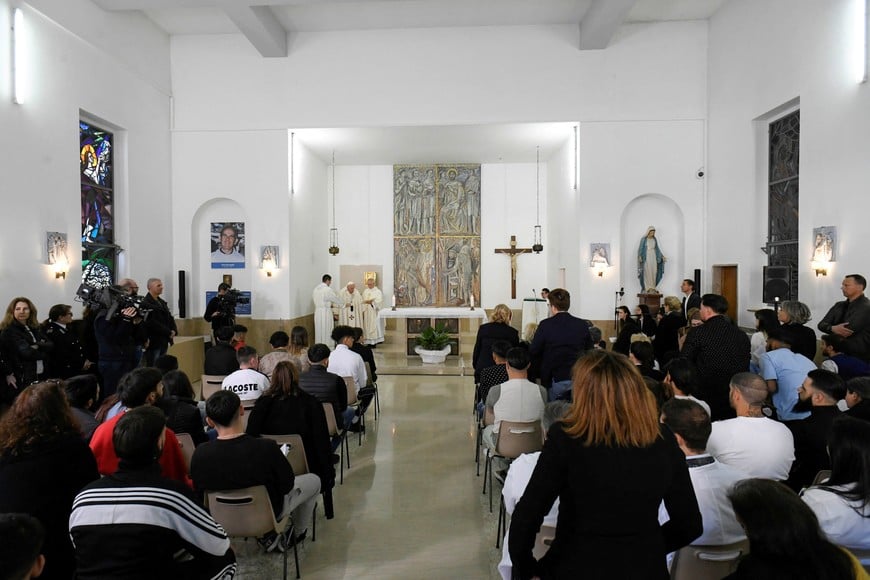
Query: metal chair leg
point(502, 522)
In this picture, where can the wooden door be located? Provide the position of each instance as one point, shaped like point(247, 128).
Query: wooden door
point(725, 284)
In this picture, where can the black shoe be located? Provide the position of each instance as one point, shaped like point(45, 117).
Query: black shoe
point(335, 458)
point(356, 428)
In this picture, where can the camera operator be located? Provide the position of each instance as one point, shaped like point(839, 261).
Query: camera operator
point(160, 325)
point(218, 311)
point(119, 339)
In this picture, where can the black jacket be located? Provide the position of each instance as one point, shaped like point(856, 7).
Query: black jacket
point(623, 339)
point(160, 324)
point(221, 359)
point(326, 387)
point(183, 416)
point(486, 335)
point(558, 342)
point(22, 347)
point(67, 358)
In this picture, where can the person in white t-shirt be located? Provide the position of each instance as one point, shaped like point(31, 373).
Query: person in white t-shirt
point(752, 443)
point(247, 382)
point(518, 399)
point(841, 502)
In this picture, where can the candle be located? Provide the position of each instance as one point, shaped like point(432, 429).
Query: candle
point(394, 300)
point(472, 300)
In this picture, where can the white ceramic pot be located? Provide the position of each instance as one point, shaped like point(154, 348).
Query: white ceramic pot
point(433, 356)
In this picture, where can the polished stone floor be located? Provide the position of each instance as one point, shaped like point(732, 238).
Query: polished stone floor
point(411, 505)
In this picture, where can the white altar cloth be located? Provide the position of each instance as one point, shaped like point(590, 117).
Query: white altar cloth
point(419, 312)
point(534, 310)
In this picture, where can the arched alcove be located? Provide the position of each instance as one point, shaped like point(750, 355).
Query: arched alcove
point(662, 212)
point(202, 276)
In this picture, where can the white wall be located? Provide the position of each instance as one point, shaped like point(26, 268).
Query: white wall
point(39, 159)
point(440, 76)
point(762, 55)
point(632, 175)
point(364, 217)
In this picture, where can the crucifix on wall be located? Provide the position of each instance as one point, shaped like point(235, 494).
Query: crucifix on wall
point(513, 252)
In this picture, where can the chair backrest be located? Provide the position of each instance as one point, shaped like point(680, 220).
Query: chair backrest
point(211, 384)
point(351, 390)
point(243, 513)
point(543, 540)
point(329, 411)
point(821, 477)
point(369, 381)
point(296, 454)
point(707, 562)
point(247, 414)
point(187, 447)
point(516, 438)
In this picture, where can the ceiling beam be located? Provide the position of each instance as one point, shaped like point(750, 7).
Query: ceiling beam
point(259, 25)
point(601, 22)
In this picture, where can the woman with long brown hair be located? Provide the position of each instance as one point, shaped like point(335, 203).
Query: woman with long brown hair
point(44, 462)
point(25, 348)
point(285, 409)
point(611, 464)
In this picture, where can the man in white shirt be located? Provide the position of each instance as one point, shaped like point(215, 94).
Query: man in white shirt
point(247, 382)
point(343, 361)
point(324, 297)
point(518, 399)
point(712, 480)
point(752, 443)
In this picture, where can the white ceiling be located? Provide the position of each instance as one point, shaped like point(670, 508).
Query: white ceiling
point(266, 24)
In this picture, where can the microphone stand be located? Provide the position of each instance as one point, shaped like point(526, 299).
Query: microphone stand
point(616, 299)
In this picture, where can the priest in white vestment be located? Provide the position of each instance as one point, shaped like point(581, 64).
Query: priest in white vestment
point(324, 298)
point(373, 327)
point(350, 312)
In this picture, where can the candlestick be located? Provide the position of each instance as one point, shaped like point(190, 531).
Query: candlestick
point(394, 301)
point(472, 301)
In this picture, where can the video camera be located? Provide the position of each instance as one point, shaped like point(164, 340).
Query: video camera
point(228, 302)
point(112, 299)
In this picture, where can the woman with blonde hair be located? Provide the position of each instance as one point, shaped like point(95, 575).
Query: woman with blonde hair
point(611, 464)
point(499, 328)
point(795, 315)
point(667, 333)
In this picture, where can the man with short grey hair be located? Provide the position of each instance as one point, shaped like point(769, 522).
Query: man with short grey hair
point(160, 325)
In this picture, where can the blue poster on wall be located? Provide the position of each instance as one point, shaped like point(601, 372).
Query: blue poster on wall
point(243, 306)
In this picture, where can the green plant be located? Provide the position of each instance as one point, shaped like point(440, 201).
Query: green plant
point(434, 338)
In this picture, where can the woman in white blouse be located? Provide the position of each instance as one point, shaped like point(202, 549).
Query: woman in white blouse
point(841, 503)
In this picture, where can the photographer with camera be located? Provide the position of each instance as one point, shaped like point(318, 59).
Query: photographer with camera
point(160, 325)
point(219, 311)
point(119, 330)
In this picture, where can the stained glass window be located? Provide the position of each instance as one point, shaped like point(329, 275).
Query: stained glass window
point(96, 171)
point(783, 189)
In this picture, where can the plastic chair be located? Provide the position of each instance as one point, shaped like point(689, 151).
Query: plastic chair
point(514, 439)
point(247, 513)
point(210, 385)
point(187, 447)
point(371, 383)
point(821, 477)
point(543, 539)
point(343, 446)
point(707, 562)
point(299, 462)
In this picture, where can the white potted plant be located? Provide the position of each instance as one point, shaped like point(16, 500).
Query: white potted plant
point(433, 345)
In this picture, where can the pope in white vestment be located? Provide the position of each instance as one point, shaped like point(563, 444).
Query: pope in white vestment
point(324, 297)
point(373, 327)
point(350, 311)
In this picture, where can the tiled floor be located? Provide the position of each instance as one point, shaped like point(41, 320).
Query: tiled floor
point(411, 505)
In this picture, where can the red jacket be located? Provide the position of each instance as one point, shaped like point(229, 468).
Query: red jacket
point(171, 460)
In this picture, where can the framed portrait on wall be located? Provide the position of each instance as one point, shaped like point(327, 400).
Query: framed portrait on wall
point(825, 244)
point(227, 242)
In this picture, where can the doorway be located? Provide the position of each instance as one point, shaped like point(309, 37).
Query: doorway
point(725, 284)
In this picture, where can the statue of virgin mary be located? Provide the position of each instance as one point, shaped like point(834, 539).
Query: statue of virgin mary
point(650, 262)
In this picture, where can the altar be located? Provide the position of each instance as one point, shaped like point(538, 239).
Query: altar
point(458, 320)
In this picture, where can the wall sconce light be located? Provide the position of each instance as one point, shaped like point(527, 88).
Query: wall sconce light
point(820, 268)
point(269, 259)
point(18, 38)
point(600, 260)
point(55, 250)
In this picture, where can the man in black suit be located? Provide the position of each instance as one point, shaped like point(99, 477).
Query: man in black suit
point(690, 297)
point(558, 342)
